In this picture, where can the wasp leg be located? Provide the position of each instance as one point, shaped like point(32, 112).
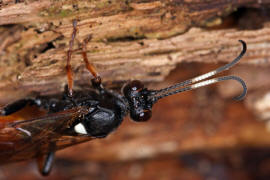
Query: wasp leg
point(16, 106)
point(45, 163)
point(96, 81)
point(69, 53)
point(67, 96)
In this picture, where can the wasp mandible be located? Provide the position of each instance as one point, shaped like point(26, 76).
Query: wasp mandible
point(58, 121)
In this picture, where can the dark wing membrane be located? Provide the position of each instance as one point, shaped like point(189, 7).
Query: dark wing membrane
point(21, 140)
point(66, 141)
point(10, 138)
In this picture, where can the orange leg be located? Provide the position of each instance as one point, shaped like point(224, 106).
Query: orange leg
point(69, 53)
point(90, 67)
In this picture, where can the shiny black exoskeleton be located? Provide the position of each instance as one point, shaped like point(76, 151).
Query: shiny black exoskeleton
point(106, 109)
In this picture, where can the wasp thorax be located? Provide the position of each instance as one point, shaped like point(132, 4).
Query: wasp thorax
point(139, 105)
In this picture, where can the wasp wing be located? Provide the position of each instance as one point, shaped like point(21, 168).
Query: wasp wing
point(27, 139)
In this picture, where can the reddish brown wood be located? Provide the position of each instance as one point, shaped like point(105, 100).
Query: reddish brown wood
point(146, 40)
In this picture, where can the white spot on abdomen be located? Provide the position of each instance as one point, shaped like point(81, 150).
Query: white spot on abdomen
point(80, 129)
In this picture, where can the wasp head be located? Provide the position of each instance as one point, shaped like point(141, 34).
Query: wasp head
point(141, 99)
point(140, 103)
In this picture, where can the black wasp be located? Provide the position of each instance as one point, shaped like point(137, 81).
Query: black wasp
point(56, 122)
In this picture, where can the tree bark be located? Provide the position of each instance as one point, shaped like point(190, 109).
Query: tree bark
point(130, 39)
point(147, 40)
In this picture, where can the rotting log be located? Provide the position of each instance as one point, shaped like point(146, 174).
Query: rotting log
point(131, 39)
point(146, 40)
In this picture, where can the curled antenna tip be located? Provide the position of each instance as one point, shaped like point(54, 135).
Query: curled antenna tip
point(244, 45)
point(241, 96)
point(244, 92)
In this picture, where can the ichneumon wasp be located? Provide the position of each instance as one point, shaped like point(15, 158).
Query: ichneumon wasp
point(74, 117)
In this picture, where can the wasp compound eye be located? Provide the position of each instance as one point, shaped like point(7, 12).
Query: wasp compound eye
point(144, 115)
point(133, 87)
point(136, 85)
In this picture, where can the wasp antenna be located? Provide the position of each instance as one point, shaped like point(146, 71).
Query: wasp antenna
point(206, 83)
point(206, 75)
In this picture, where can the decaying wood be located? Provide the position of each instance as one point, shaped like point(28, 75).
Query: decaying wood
point(131, 40)
point(146, 40)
